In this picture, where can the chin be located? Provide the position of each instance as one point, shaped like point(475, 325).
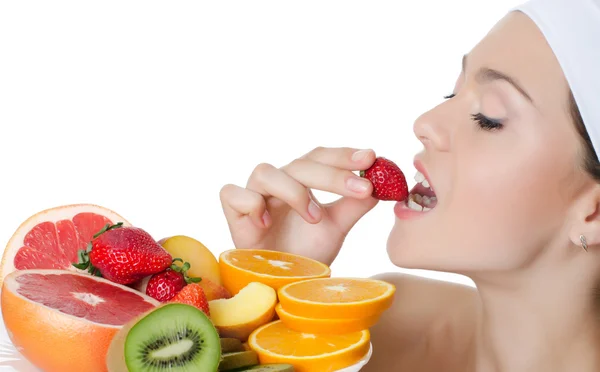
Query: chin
point(414, 249)
point(405, 249)
point(442, 253)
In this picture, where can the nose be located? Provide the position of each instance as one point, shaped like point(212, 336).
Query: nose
point(433, 130)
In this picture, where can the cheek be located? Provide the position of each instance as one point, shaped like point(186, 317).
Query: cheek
point(509, 203)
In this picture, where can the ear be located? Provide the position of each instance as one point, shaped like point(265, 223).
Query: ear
point(586, 218)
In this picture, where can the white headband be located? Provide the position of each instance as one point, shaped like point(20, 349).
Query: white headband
point(572, 29)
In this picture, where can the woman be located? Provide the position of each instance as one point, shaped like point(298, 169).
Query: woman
point(511, 159)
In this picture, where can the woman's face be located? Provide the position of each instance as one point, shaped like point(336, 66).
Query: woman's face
point(502, 156)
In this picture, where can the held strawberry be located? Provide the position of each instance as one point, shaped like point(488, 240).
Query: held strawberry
point(123, 254)
point(192, 294)
point(388, 180)
point(166, 284)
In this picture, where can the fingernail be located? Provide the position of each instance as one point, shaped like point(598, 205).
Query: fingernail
point(313, 209)
point(360, 155)
point(357, 184)
point(266, 218)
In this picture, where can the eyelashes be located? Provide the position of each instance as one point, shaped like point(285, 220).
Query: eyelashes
point(486, 123)
point(482, 121)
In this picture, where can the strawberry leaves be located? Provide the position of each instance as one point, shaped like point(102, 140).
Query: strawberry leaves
point(183, 270)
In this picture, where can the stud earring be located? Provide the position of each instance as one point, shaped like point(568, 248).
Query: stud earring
point(583, 242)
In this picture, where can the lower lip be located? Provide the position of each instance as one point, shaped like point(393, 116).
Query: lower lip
point(403, 212)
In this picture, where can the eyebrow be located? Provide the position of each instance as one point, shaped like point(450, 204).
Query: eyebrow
point(486, 75)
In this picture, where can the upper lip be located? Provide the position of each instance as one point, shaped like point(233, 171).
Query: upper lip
point(421, 168)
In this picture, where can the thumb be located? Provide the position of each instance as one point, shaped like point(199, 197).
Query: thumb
point(347, 211)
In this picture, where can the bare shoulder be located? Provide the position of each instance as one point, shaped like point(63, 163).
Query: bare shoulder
point(415, 293)
point(425, 312)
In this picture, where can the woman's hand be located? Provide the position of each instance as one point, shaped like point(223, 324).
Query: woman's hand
point(277, 210)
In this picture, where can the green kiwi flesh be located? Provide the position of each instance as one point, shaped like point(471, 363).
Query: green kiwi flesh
point(231, 345)
point(276, 367)
point(238, 359)
point(174, 337)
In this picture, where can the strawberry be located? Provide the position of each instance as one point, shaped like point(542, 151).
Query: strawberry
point(166, 284)
point(123, 254)
point(388, 180)
point(192, 294)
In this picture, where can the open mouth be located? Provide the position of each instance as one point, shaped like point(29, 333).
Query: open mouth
point(421, 198)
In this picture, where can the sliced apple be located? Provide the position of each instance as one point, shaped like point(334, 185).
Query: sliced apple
point(203, 263)
point(252, 307)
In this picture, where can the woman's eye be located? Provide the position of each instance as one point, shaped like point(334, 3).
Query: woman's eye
point(483, 121)
point(486, 123)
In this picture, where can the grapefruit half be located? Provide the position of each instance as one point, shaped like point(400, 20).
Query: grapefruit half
point(65, 321)
point(51, 238)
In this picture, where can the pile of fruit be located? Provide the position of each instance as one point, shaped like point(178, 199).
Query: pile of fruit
point(83, 289)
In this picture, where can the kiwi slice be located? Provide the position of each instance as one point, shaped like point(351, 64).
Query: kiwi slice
point(267, 368)
point(173, 337)
point(238, 359)
point(231, 345)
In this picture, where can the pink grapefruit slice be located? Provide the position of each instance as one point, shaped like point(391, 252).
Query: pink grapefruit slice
point(64, 321)
point(51, 238)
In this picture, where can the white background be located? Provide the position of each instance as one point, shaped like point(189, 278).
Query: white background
point(149, 108)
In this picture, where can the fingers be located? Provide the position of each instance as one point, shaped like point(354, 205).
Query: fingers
point(238, 202)
point(347, 211)
point(342, 157)
point(268, 181)
point(319, 176)
point(325, 169)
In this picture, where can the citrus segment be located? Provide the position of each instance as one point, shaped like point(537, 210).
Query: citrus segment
point(81, 297)
point(59, 319)
point(239, 267)
point(276, 343)
point(325, 326)
point(337, 298)
point(50, 239)
point(54, 245)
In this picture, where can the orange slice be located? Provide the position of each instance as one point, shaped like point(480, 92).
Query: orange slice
point(337, 298)
point(239, 267)
point(325, 326)
point(275, 343)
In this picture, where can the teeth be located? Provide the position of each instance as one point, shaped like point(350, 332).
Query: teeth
point(420, 203)
point(419, 177)
point(412, 204)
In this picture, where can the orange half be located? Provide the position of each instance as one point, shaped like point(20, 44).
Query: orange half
point(337, 298)
point(239, 267)
point(276, 343)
